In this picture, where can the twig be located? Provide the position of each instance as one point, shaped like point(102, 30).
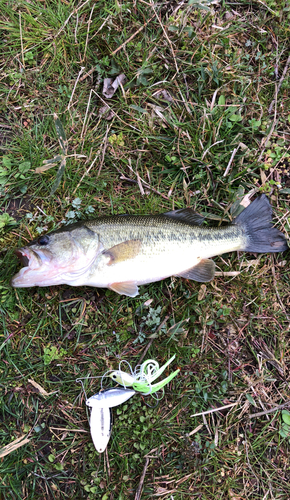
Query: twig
point(68, 18)
point(166, 36)
point(267, 7)
point(227, 273)
point(14, 445)
point(274, 168)
point(265, 141)
point(102, 25)
point(140, 487)
point(115, 114)
point(214, 409)
point(86, 173)
point(207, 150)
point(87, 110)
point(90, 72)
point(88, 31)
point(231, 161)
point(131, 37)
point(180, 4)
point(280, 82)
point(277, 293)
point(206, 424)
point(145, 352)
point(272, 410)
point(105, 141)
point(148, 455)
point(76, 82)
point(194, 431)
point(76, 29)
point(68, 430)
point(21, 40)
point(96, 157)
point(123, 178)
point(107, 462)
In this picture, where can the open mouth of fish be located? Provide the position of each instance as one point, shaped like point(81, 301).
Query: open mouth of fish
point(42, 269)
point(21, 255)
point(28, 258)
point(31, 261)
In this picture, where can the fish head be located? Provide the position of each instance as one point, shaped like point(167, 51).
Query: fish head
point(60, 257)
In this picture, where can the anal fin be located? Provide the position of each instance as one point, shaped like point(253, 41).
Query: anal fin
point(203, 271)
point(128, 288)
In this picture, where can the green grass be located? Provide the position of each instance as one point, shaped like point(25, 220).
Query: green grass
point(218, 67)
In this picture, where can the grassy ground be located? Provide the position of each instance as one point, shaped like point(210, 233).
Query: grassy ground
point(190, 127)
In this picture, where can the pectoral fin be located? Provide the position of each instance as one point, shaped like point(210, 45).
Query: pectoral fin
point(203, 271)
point(123, 251)
point(128, 288)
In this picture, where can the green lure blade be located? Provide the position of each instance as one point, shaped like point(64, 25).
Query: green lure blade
point(146, 388)
point(158, 372)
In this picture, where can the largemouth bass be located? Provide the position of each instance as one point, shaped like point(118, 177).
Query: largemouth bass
point(122, 252)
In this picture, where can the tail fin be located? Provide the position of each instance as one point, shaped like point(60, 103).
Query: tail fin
point(256, 221)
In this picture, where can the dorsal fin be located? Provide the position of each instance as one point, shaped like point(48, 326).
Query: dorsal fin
point(186, 215)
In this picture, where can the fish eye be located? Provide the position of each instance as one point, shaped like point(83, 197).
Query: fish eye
point(43, 240)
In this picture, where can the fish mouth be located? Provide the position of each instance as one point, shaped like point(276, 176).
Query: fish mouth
point(31, 262)
point(28, 258)
point(24, 259)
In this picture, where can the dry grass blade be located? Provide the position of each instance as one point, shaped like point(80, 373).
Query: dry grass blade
point(140, 487)
point(215, 409)
point(280, 82)
point(14, 445)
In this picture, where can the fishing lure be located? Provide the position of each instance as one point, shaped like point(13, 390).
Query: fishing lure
point(101, 427)
point(143, 376)
point(138, 381)
point(100, 419)
point(110, 397)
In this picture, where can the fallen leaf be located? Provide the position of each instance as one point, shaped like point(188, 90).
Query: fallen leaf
point(110, 85)
point(38, 387)
point(106, 112)
point(233, 496)
point(263, 176)
point(201, 293)
point(39, 170)
point(246, 200)
point(163, 94)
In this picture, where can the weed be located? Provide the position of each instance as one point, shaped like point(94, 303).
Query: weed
point(52, 353)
